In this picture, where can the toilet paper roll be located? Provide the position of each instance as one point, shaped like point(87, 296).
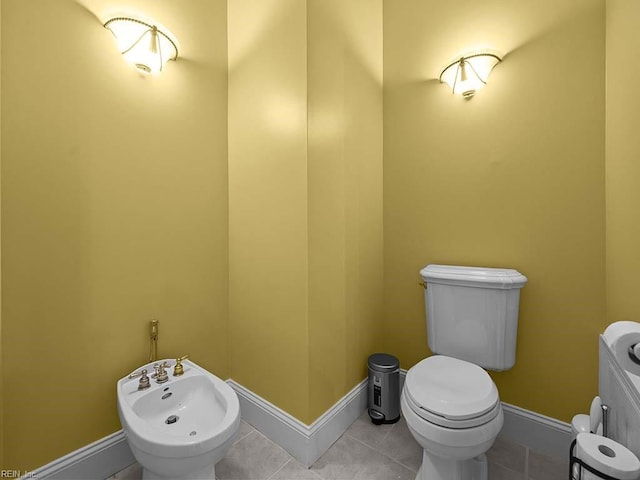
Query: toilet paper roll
point(616, 329)
point(606, 456)
point(620, 336)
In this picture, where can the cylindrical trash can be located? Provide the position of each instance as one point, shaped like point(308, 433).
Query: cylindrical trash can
point(384, 388)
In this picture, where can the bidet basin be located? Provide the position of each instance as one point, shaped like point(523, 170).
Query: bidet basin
point(186, 407)
point(180, 428)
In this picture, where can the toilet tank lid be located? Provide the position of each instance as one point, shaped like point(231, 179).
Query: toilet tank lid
point(483, 277)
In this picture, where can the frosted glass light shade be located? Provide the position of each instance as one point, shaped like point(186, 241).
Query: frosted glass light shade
point(469, 73)
point(142, 44)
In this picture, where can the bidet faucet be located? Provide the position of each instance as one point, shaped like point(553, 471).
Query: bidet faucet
point(144, 379)
point(178, 369)
point(161, 375)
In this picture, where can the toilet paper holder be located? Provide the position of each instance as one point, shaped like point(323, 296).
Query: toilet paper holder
point(573, 461)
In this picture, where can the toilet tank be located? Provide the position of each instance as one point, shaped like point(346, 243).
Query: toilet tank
point(472, 313)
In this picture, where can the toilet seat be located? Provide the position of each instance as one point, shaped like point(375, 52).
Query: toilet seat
point(451, 393)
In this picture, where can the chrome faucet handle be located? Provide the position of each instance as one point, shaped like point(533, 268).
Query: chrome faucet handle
point(162, 365)
point(161, 375)
point(144, 379)
point(141, 373)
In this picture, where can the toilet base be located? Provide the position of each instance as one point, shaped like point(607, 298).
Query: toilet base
point(438, 468)
point(208, 473)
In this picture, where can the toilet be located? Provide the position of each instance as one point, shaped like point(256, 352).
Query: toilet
point(450, 403)
point(180, 427)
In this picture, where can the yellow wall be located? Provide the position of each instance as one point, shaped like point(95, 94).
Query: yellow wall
point(268, 200)
point(114, 212)
point(345, 194)
point(623, 166)
point(305, 197)
point(513, 178)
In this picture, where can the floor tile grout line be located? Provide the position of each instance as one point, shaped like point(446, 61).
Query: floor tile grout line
point(253, 429)
point(404, 465)
point(381, 453)
point(399, 462)
point(289, 459)
point(280, 469)
point(246, 436)
point(358, 440)
point(238, 439)
point(259, 433)
point(275, 443)
point(345, 434)
point(384, 437)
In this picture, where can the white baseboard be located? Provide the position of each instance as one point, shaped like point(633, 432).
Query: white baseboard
point(98, 460)
point(536, 431)
point(306, 443)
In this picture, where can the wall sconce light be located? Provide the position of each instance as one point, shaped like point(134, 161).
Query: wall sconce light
point(142, 44)
point(469, 73)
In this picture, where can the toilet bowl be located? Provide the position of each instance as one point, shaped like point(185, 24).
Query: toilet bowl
point(453, 411)
point(181, 428)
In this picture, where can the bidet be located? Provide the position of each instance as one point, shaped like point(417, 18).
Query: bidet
point(180, 428)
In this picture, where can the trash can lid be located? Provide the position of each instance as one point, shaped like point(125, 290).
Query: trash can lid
point(383, 362)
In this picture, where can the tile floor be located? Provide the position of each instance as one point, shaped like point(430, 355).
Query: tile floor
point(365, 452)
